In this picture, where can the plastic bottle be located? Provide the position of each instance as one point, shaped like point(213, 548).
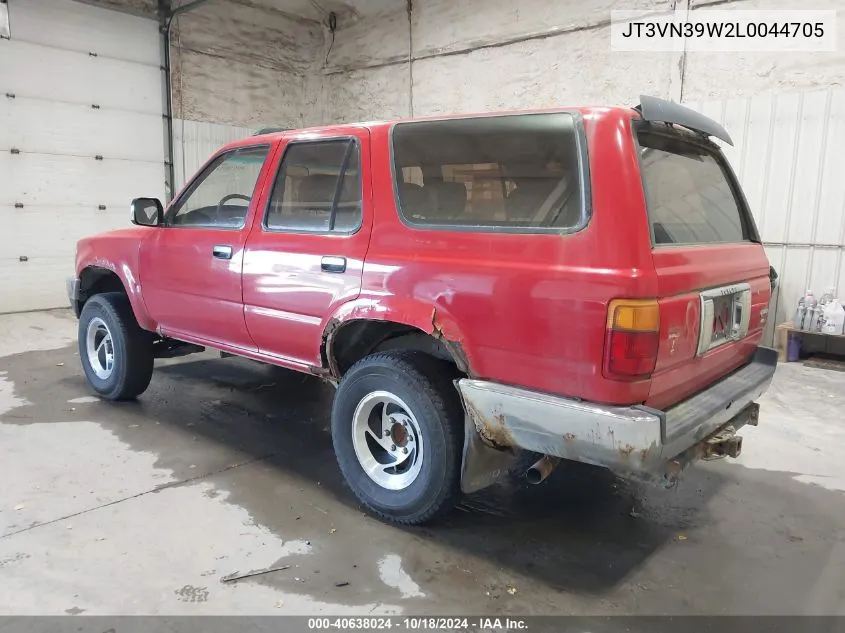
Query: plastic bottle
point(834, 318)
point(800, 311)
point(793, 347)
point(811, 321)
point(828, 296)
point(804, 304)
point(821, 316)
point(809, 300)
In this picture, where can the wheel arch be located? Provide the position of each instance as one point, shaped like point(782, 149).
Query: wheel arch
point(360, 329)
point(426, 328)
point(94, 280)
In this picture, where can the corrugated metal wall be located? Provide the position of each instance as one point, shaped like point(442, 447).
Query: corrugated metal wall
point(788, 154)
point(194, 142)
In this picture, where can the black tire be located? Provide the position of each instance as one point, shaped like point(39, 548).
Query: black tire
point(425, 384)
point(133, 347)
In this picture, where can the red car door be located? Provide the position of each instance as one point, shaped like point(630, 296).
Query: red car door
point(305, 256)
point(190, 269)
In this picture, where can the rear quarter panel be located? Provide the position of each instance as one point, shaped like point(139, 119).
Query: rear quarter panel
point(526, 309)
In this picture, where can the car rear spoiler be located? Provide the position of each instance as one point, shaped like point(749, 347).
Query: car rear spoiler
point(270, 130)
point(662, 111)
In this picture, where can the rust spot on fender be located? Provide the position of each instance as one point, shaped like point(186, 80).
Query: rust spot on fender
point(626, 451)
point(453, 347)
point(321, 372)
point(493, 431)
point(458, 354)
point(332, 370)
point(497, 432)
point(100, 262)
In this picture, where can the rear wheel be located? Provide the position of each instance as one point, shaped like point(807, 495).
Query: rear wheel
point(397, 429)
point(116, 354)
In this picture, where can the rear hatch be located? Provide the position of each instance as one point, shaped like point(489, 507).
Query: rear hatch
point(713, 274)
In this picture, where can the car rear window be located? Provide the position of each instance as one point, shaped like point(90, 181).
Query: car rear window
point(688, 193)
point(521, 172)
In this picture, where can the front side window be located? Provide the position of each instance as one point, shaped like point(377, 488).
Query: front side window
point(688, 194)
point(317, 189)
point(220, 196)
point(514, 172)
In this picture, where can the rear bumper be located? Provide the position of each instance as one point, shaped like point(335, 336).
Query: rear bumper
point(632, 439)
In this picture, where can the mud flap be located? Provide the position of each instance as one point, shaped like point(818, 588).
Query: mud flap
point(482, 465)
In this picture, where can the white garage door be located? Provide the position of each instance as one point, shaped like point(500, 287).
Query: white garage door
point(81, 134)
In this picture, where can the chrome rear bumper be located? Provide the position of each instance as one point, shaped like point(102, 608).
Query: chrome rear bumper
point(634, 439)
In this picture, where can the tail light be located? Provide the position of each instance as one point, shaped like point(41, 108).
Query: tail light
point(633, 334)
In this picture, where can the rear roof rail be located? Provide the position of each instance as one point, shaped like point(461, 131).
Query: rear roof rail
point(662, 111)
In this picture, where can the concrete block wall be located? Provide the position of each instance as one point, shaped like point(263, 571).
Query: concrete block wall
point(252, 64)
point(245, 66)
point(717, 76)
point(477, 55)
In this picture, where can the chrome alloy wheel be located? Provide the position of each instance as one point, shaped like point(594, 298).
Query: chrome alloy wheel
point(387, 440)
point(100, 348)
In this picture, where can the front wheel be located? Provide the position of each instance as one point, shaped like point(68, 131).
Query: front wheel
point(116, 354)
point(397, 429)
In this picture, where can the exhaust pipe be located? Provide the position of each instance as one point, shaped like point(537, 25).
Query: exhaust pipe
point(542, 468)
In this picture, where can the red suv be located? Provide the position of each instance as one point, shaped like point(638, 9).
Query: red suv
point(584, 283)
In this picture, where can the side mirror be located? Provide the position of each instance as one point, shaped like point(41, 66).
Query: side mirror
point(147, 211)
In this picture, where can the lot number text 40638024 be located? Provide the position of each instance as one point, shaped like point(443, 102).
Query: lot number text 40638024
point(422, 623)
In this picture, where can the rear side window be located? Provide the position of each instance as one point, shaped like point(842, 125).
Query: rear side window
point(317, 189)
point(510, 172)
point(689, 196)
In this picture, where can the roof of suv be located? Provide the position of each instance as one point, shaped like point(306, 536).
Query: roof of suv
point(651, 109)
point(342, 128)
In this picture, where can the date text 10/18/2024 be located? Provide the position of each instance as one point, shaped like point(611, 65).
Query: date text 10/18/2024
point(417, 624)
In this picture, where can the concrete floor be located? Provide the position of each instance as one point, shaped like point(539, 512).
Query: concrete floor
point(226, 465)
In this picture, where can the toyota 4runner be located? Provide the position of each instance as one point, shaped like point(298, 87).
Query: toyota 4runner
point(586, 284)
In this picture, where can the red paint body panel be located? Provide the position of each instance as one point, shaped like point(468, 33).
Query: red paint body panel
point(531, 308)
point(287, 297)
point(118, 251)
point(190, 292)
point(682, 271)
point(526, 310)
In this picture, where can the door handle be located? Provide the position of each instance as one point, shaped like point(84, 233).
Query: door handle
point(331, 264)
point(221, 251)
